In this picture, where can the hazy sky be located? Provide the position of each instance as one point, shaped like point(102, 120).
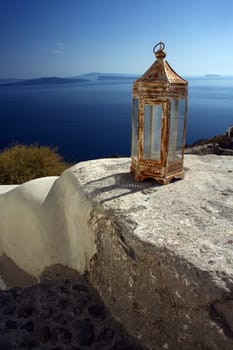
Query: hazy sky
point(70, 37)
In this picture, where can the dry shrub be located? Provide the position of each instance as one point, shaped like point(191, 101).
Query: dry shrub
point(21, 163)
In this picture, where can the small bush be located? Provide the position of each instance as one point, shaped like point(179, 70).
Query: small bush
point(21, 163)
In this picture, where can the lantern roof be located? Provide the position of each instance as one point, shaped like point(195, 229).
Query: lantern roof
point(160, 70)
point(160, 76)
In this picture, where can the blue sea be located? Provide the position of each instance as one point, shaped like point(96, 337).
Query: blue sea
point(93, 119)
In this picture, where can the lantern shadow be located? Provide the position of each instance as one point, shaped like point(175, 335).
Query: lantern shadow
point(123, 183)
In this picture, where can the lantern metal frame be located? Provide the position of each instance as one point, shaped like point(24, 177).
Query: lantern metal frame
point(160, 86)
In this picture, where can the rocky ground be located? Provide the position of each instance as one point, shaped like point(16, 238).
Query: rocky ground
point(221, 145)
point(59, 315)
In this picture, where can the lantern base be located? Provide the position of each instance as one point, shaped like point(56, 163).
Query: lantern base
point(162, 175)
point(161, 180)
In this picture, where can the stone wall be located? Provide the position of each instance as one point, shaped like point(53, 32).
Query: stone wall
point(160, 298)
point(160, 256)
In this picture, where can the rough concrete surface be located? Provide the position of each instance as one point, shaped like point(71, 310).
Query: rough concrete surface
point(164, 262)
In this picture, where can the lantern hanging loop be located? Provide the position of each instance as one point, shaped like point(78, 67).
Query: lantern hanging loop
point(161, 47)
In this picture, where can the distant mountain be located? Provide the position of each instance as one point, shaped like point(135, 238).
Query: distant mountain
point(8, 81)
point(106, 76)
point(116, 77)
point(89, 76)
point(212, 75)
point(46, 81)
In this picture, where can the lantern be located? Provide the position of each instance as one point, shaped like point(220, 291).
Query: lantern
point(159, 122)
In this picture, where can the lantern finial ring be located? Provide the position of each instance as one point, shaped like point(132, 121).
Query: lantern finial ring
point(161, 47)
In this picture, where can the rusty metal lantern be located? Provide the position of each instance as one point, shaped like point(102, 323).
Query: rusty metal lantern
point(159, 122)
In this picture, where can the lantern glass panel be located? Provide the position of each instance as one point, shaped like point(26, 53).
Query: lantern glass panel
point(152, 131)
point(176, 135)
point(134, 145)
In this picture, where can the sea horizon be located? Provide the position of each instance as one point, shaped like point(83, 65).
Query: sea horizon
point(91, 74)
point(92, 119)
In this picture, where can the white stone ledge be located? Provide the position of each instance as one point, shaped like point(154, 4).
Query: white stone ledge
point(44, 222)
point(7, 188)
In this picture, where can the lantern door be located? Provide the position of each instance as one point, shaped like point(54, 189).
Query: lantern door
point(177, 127)
point(152, 132)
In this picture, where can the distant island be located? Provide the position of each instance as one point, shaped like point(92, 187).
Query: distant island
point(81, 78)
point(46, 81)
point(115, 77)
point(212, 75)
